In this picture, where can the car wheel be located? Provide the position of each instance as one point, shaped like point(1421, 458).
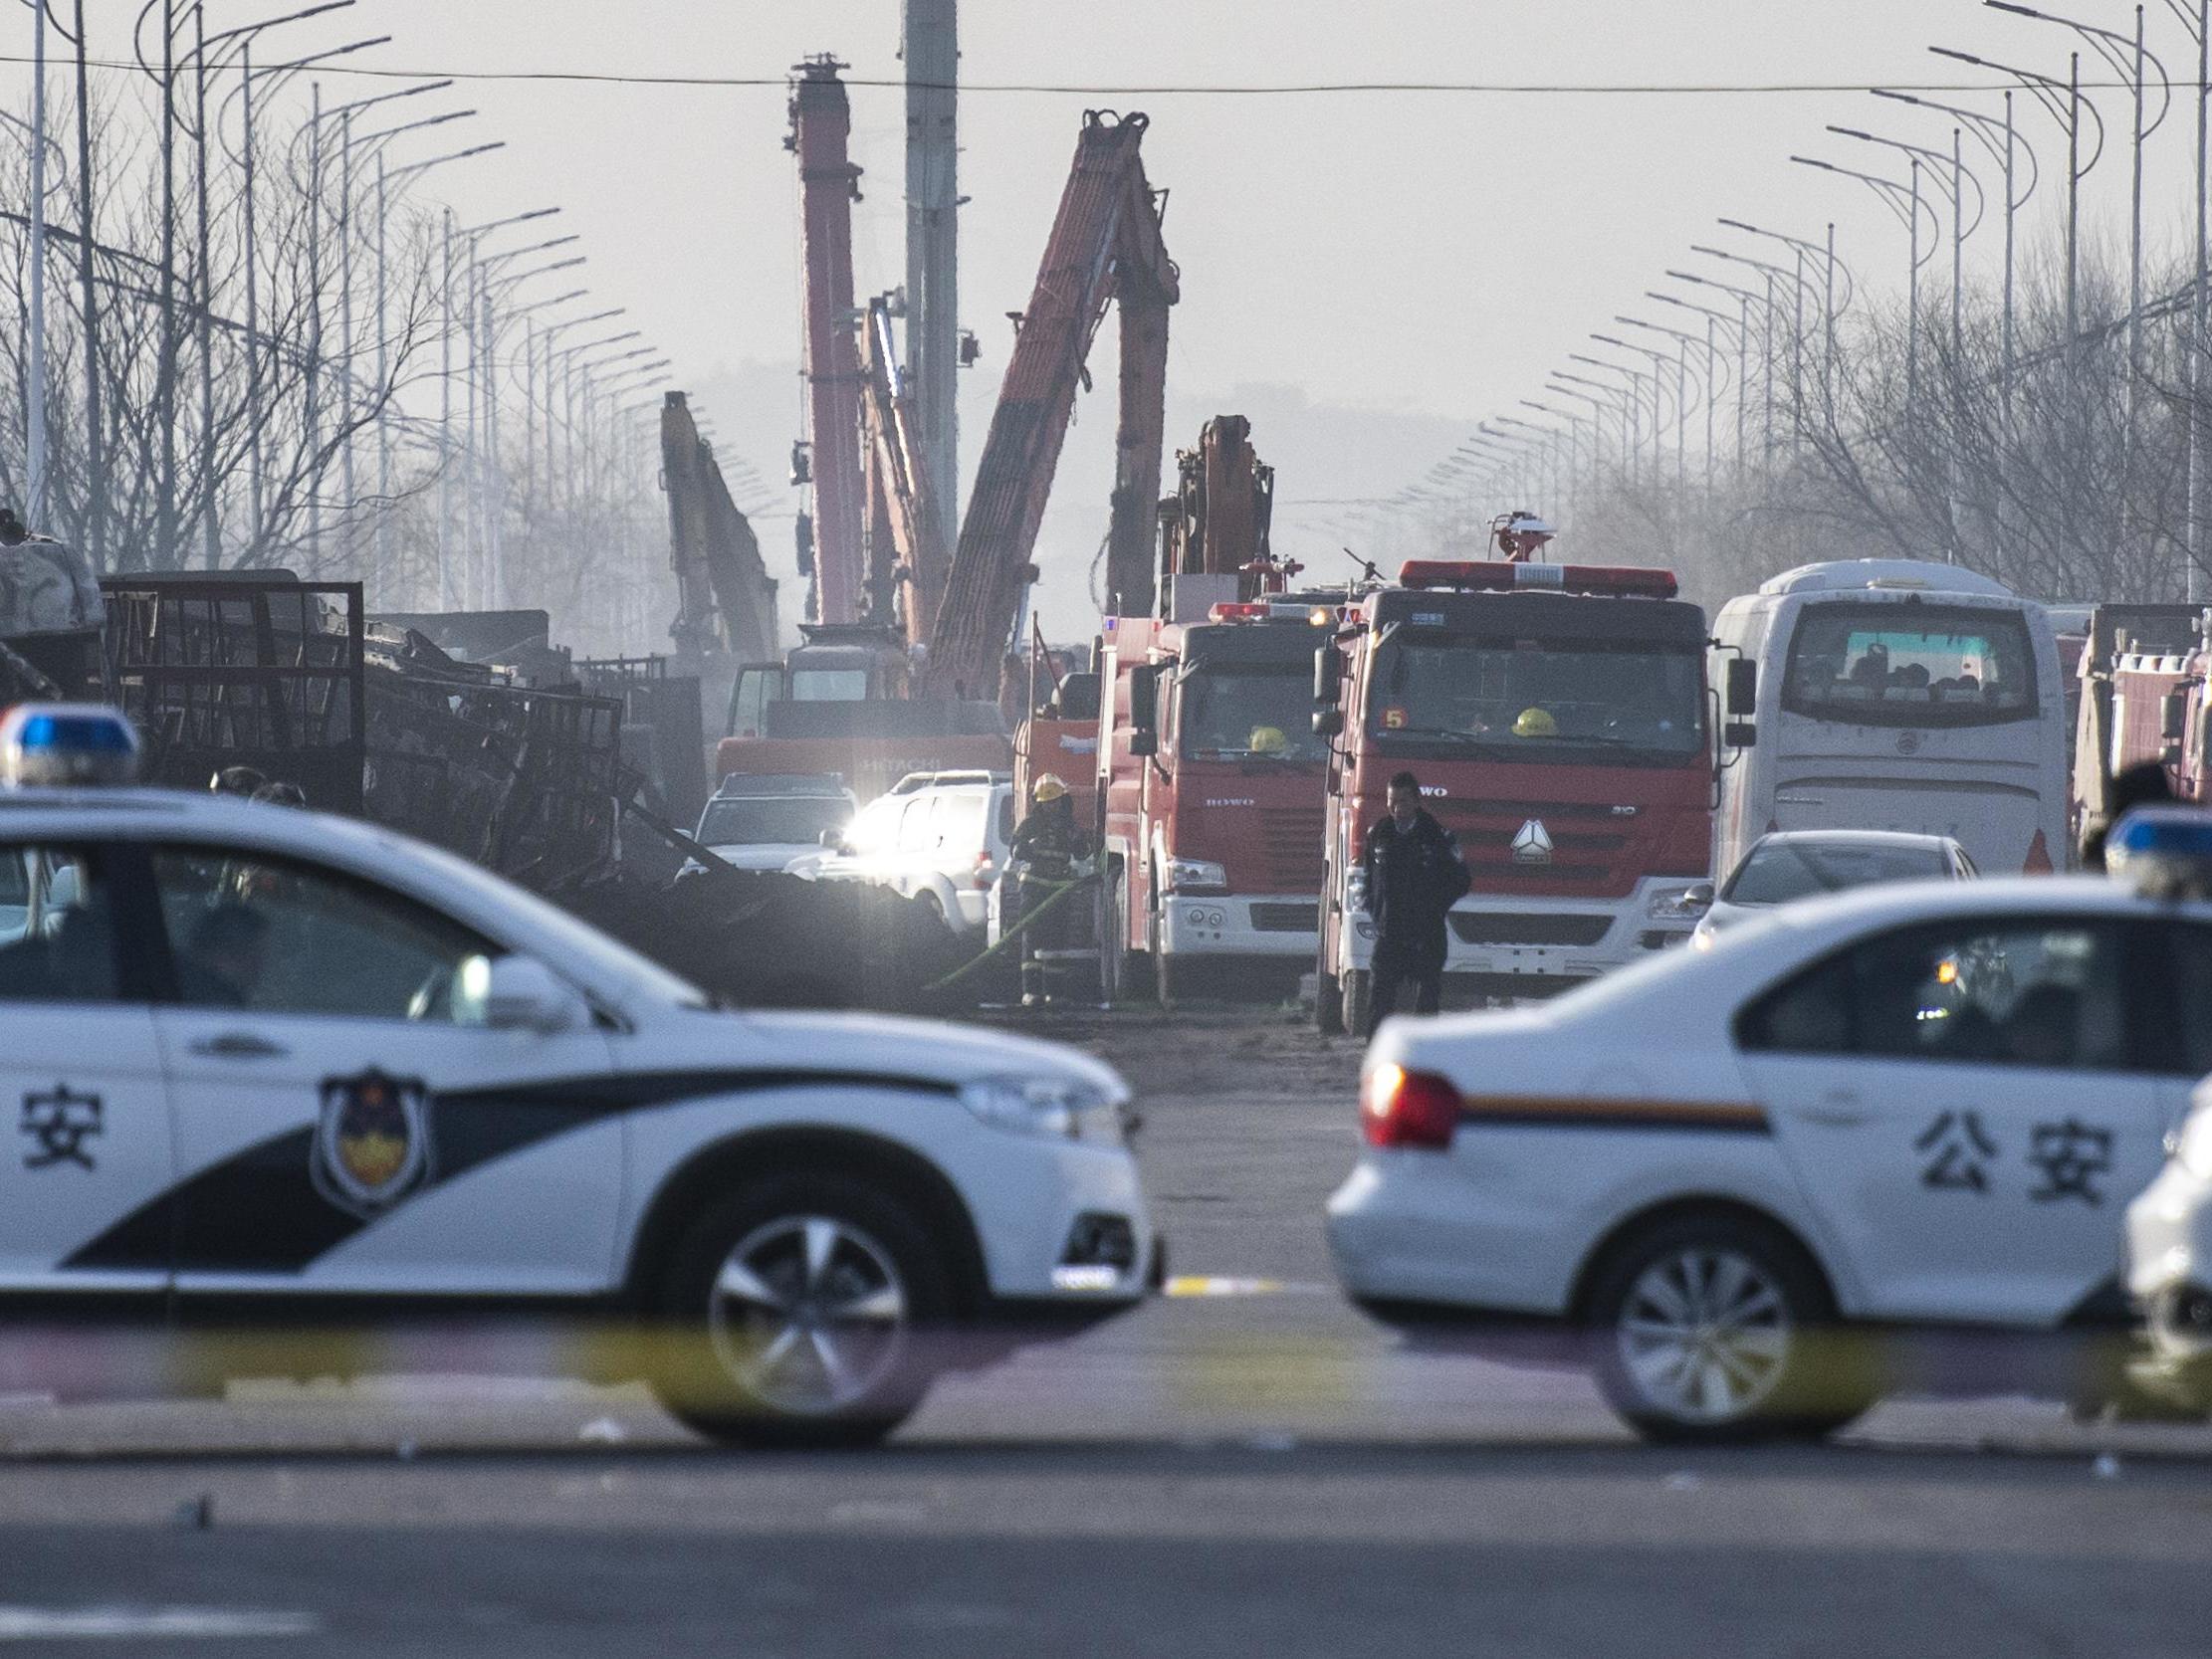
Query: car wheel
point(1714, 1330)
point(798, 1312)
point(1356, 995)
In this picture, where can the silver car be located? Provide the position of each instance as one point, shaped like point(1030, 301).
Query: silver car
point(1797, 864)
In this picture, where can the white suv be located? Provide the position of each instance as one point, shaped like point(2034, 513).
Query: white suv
point(268, 1068)
point(938, 838)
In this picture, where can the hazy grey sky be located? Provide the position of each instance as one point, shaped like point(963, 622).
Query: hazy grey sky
point(1408, 254)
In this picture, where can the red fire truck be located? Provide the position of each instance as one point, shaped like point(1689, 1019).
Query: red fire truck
point(1211, 776)
point(1558, 720)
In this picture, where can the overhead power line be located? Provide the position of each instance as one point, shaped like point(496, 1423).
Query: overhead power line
point(1308, 89)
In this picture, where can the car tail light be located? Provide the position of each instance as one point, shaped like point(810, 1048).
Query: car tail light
point(1399, 1108)
point(2039, 857)
point(984, 872)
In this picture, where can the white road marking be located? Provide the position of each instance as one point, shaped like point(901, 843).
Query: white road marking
point(47, 1624)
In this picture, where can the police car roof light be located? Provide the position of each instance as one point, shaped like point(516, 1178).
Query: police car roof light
point(1239, 613)
point(1496, 576)
point(2163, 851)
point(49, 745)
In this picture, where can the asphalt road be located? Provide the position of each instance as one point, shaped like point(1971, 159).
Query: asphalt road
point(1254, 1471)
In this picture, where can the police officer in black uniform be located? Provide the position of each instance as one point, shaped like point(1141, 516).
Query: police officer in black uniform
point(1414, 875)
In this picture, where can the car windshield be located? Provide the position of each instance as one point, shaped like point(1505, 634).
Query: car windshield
point(1911, 666)
point(1542, 701)
point(1248, 713)
point(1777, 871)
point(792, 821)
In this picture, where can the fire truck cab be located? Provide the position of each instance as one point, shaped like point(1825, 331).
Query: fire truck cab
point(1209, 797)
point(1559, 721)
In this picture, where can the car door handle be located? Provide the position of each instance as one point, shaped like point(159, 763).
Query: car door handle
point(1836, 1112)
point(239, 1045)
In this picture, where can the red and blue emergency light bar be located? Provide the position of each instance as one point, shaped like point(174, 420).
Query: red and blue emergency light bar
point(1495, 576)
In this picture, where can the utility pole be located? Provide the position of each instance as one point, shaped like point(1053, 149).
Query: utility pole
point(933, 245)
point(164, 402)
point(2193, 577)
point(96, 460)
point(35, 505)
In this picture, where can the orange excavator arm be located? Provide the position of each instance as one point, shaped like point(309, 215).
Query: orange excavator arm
point(906, 546)
point(1105, 247)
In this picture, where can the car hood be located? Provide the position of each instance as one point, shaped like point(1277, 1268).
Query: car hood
point(886, 1045)
point(764, 855)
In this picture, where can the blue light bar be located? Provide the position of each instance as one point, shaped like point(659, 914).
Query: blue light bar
point(2163, 850)
point(58, 745)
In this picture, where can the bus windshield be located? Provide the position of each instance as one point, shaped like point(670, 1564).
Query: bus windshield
point(1249, 714)
point(1542, 701)
point(1911, 666)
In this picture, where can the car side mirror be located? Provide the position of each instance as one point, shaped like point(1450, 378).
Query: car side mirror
point(1699, 895)
point(2173, 716)
point(1740, 735)
point(1743, 688)
point(1328, 722)
point(833, 840)
point(520, 993)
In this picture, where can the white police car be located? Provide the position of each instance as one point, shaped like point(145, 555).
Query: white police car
point(262, 1065)
point(1920, 1104)
point(2169, 1227)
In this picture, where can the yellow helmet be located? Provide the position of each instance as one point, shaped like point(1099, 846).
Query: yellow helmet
point(1535, 722)
point(1048, 788)
point(1268, 739)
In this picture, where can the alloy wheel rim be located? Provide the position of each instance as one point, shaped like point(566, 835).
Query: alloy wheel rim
point(809, 1315)
point(1704, 1334)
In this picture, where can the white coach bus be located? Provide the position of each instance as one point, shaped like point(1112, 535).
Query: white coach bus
point(1896, 695)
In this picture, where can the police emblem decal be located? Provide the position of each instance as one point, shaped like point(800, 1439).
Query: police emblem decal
point(1532, 845)
point(373, 1141)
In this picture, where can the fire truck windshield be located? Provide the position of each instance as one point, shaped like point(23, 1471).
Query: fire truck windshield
point(1540, 701)
point(1248, 713)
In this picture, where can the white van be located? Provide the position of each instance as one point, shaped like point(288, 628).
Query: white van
point(1896, 695)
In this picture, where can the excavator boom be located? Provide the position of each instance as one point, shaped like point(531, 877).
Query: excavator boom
point(1105, 247)
point(906, 543)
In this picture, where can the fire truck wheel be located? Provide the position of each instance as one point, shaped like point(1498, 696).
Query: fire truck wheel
point(1126, 972)
point(1358, 990)
point(1328, 1006)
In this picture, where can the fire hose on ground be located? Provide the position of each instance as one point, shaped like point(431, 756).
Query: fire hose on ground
point(1030, 915)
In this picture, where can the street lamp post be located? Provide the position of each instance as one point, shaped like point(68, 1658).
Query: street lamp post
point(247, 158)
point(2064, 101)
point(2129, 59)
point(2006, 152)
point(1744, 298)
point(1631, 435)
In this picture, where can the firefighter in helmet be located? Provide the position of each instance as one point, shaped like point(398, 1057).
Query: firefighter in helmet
point(1049, 851)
